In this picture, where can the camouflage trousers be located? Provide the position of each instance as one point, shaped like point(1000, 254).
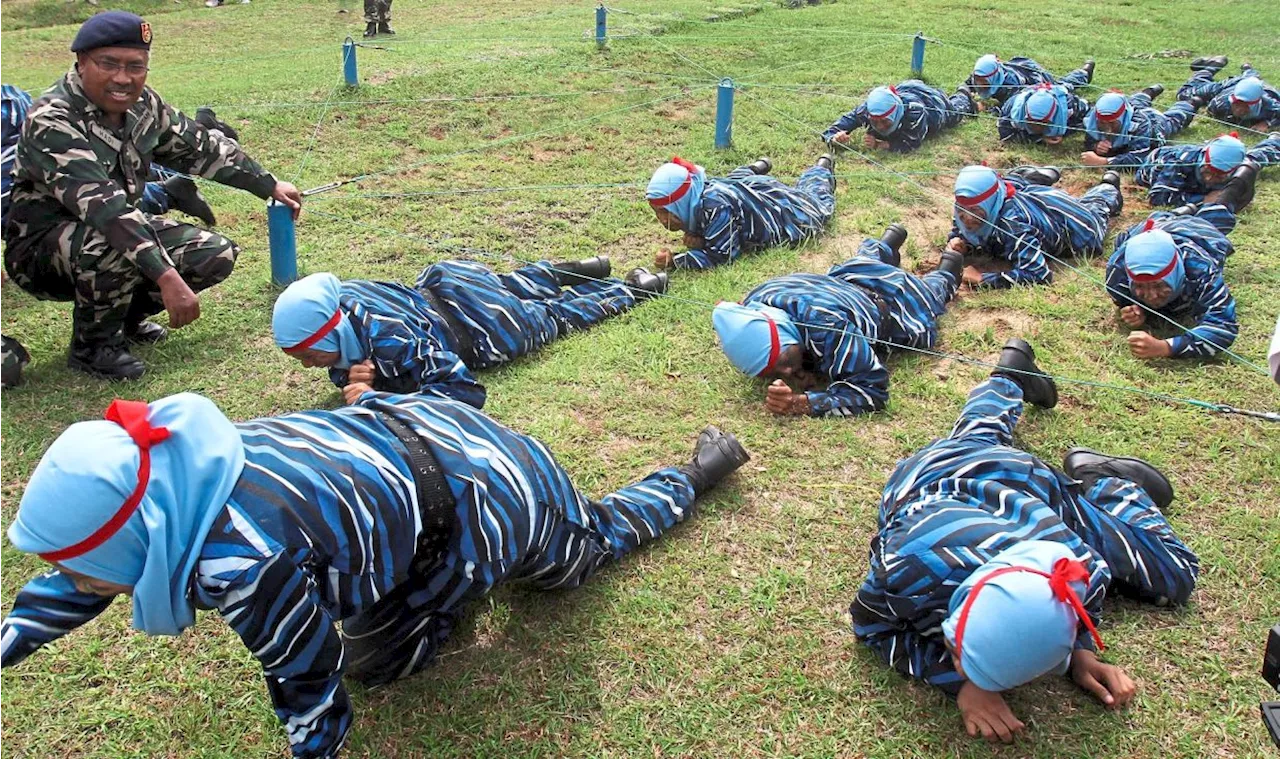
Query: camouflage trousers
point(377, 11)
point(74, 262)
point(13, 359)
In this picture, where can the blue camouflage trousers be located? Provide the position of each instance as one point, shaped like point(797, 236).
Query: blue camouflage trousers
point(510, 315)
point(1115, 516)
point(914, 302)
point(399, 635)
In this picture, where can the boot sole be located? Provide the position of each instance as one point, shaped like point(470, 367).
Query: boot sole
point(80, 366)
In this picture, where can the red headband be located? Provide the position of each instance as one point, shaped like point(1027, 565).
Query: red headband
point(1242, 100)
point(892, 108)
point(132, 416)
point(1124, 106)
point(1053, 108)
point(1065, 572)
point(319, 334)
point(680, 191)
point(978, 199)
point(775, 344)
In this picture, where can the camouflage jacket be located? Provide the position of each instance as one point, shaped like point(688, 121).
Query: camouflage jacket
point(72, 165)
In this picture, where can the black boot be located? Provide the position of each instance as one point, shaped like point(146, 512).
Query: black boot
point(1089, 466)
point(967, 91)
point(1046, 176)
point(1190, 209)
point(1239, 190)
point(206, 118)
point(371, 29)
point(15, 360)
point(384, 27)
point(716, 455)
point(893, 238)
point(645, 283)
point(108, 360)
point(572, 273)
point(186, 197)
point(762, 166)
point(1198, 101)
point(827, 161)
point(1153, 91)
point(1112, 178)
point(1214, 63)
point(144, 332)
point(953, 262)
point(1088, 67)
point(1019, 358)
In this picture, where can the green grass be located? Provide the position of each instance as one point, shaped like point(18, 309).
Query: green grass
point(731, 638)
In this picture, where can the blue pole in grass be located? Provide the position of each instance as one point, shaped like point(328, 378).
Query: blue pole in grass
point(917, 56)
point(284, 244)
point(724, 113)
point(602, 26)
point(349, 63)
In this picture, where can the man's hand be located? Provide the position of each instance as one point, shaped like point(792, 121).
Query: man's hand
point(664, 259)
point(352, 392)
point(1133, 316)
point(780, 400)
point(362, 373)
point(1103, 147)
point(986, 713)
point(971, 276)
point(1053, 140)
point(182, 304)
point(1090, 158)
point(693, 242)
point(286, 193)
point(870, 140)
point(1107, 682)
point(1143, 345)
point(841, 137)
point(958, 245)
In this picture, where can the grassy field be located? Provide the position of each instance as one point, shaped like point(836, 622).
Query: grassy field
point(732, 637)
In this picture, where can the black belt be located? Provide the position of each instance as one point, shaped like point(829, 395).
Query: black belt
point(463, 345)
point(435, 500)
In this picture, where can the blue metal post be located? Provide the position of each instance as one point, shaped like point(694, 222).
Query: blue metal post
point(917, 56)
point(349, 63)
point(284, 244)
point(602, 30)
point(724, 113)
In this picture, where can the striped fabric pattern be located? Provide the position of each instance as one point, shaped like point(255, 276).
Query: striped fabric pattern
point(324, 526)
point(961, 500)
point(1012, 127)
point(1021, 73)
point(928, 111)
point(1148, 129)
point(14, 104)
point(1219, 96)
point(1172, 174)
point(1204, 247)
point(744, 212)
point(1039, 219)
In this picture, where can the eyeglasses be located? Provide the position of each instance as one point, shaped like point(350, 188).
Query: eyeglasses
point(111, 68)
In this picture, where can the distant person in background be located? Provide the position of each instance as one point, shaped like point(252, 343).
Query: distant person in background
point(377, 18)
point(1274, 354)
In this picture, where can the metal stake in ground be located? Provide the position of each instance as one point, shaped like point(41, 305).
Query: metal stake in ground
point(349, 72)
point(724, 113)
point(284, 244)
point(917, 56)
point(602, 16)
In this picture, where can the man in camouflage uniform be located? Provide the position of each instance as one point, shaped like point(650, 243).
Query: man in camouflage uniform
point(75, 232)
point(377, 17)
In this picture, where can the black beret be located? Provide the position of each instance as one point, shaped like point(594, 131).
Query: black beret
point(113, 29)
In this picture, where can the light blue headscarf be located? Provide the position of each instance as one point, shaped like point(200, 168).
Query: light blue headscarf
point(753, 335)
point(682, 181)
point(305, 308)
point(974, 182)
point(1153, 254)
point(884, 102)
point(1017, 629)
point(1249, 91)
point(988, 66)
point(91, 471)
point(1044, 105)
point(1225, 153)
point(1109, 119)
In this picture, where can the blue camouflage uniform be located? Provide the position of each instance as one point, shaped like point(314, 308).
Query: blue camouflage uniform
point(1139, 130)
point(1018, 74)
point(1172, 173)
point(1035, 222)
point(1203, 297)
point(960, 501)
point(1068, 113)
point(415, 349)
point(324, 525)
point(836, 313)
point(746, 212)
point(925, 110)
point(1218, 97)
